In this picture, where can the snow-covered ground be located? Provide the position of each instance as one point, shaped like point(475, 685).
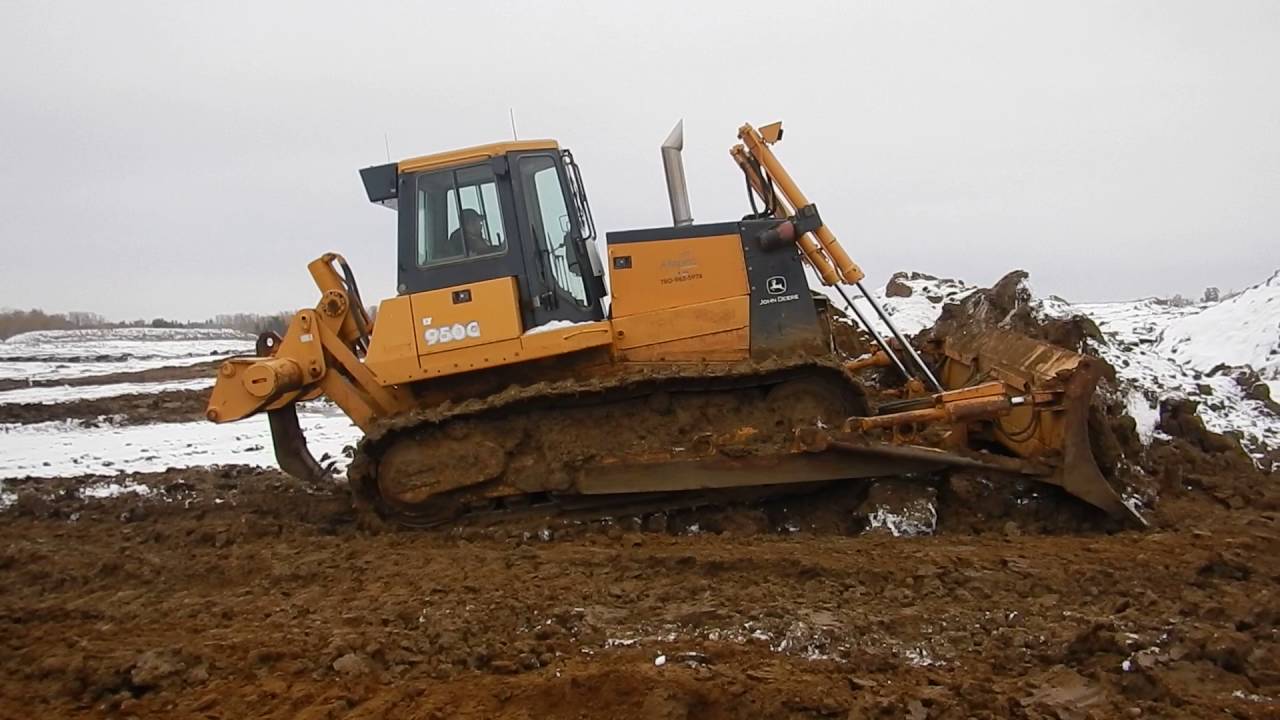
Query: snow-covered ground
point(1243, 329)
point(1139, 348)
point(72, 448)
point(65, 354)
point(64, 449)
point(69, 393)
point(125, 340)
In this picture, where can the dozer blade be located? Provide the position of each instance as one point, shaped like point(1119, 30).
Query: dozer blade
point(1053, 424)
point(291, 446)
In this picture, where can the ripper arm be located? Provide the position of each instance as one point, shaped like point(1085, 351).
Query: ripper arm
point(319, 354)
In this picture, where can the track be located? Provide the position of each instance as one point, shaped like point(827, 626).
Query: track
point(535, 449)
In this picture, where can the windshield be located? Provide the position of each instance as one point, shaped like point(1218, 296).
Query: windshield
point(459, 216)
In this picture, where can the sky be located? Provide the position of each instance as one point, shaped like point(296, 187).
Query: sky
point(183, 159)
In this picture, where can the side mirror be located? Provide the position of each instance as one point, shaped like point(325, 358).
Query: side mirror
point(592, 254)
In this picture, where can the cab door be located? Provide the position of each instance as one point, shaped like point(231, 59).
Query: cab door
point(560, 280)
point(435, 251)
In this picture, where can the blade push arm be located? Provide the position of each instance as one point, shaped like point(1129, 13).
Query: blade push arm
point(801, 223)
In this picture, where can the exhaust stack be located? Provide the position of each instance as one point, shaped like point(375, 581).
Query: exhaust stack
point(673, 167)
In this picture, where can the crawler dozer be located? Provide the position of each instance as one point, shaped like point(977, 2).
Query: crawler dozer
point(519, 367)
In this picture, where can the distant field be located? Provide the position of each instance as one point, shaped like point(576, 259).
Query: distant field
point(75, 402)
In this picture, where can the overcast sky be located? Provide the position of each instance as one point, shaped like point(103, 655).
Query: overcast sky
point(184, 159)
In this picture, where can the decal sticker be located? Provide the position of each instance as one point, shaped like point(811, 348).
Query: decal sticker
point(450, 333)
point(776, 285)
point(684, 268)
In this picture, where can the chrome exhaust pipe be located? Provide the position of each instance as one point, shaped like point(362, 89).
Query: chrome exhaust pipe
point(673, 167)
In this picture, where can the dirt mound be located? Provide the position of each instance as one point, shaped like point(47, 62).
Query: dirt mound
point(1140, 471)
point(232, 592)
point(139, 409)
point(1192, 465)
point(1009, 304)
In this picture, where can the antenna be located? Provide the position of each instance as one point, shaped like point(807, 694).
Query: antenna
point(512, 113)
point(387, 143)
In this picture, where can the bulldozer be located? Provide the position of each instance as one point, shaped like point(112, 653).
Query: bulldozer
point(524, 366)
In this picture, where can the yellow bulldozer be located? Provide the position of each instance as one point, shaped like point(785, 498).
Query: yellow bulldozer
point(518, 368)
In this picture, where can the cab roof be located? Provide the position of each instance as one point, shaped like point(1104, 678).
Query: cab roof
point(471, 154)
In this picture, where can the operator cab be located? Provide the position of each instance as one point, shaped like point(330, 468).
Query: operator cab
point(505, 210)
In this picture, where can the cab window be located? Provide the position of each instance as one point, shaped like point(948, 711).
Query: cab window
point(549, 218)
point(459, 216)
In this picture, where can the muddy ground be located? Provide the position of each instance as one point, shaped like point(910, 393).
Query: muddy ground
point(136, 409)
point(236, 593)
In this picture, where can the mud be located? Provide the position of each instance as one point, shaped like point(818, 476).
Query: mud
point(237, 593)
point(547, 447)
point(139, 409)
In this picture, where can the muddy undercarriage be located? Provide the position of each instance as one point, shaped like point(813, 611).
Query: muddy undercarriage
point(663, 437)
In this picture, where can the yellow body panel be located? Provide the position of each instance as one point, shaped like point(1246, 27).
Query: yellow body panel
point(676, 273)
point(665, 326)
point(472, 154)
point(567, 339)
point(393, 350)
point(442, 325)
point(725, 346)
point(463, 359)
point(506, 352)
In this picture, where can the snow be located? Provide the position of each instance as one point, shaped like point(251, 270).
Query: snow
point(62, 354)
point(46, 370)
point(1241, 330)
point(919, 310)
point(70, 448)
point(919, 518)
point(65, 449)
point(124, 335)
point(110, 490)
point(71, 393)
point(556, 325)
point(909, 314)
point(1147, 372)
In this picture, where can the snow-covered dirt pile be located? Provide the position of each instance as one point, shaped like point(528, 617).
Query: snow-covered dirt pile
point(1160, 351)
point(914, 301)
point(63, 354)
point(1242, 330)
point(1137, 345)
